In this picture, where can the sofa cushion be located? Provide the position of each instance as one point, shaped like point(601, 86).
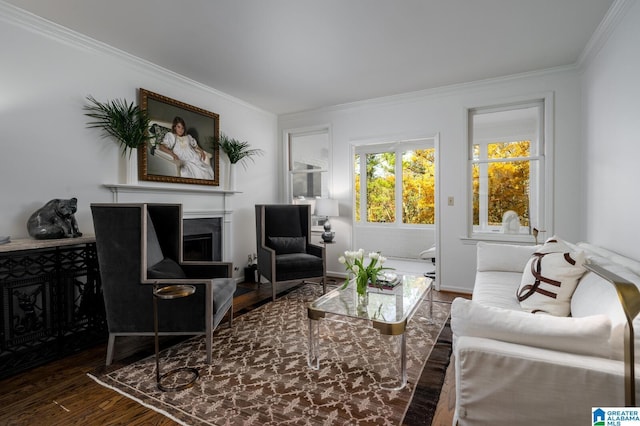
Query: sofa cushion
point(587, 335)
point(550, 278)
point(595, 295)
point(287, 245)
point(503, 257)
point(628, 263)
point(497, 289)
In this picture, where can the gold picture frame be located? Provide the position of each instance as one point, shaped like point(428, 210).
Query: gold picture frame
point(190, 158)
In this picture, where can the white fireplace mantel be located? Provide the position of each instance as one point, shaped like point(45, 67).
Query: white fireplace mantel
point(196, 202)
point(117, 188)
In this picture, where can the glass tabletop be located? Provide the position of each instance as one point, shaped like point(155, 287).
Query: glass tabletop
point(384, 306)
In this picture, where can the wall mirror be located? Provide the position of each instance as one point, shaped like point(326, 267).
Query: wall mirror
point(308, 164)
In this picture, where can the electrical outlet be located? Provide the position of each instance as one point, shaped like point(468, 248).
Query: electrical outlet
point(450, 201)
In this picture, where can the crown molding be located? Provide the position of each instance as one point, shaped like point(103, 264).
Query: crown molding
point(418, 95)
point(614, 15)
point(38, 25)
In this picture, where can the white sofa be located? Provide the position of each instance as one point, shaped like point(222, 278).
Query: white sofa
point(514, 367)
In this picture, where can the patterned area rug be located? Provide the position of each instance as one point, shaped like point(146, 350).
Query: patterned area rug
point(260, 376)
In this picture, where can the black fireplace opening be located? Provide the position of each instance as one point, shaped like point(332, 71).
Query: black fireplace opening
point(198, 247)
point(202, 239)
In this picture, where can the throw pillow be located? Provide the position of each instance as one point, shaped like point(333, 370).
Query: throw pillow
point(550, 278)
point(288, 245)
point(165, 269)
point(158, 131)
point(554, 244)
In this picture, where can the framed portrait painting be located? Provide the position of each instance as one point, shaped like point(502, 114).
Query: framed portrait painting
point(181, 147)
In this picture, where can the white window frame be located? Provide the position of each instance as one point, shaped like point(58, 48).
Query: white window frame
point(398, 148)
point(289, 172)
point(543, 218)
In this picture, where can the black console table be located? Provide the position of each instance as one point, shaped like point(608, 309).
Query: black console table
point(51, 301)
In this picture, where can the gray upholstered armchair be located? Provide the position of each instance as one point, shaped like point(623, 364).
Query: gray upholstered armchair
point(285, 251)
point(139, 246)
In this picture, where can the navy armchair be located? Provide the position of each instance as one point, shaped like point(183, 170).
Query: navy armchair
point(139, 246)
point(285, 251)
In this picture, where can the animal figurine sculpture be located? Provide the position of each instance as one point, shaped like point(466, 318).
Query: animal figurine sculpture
point(55, 220)
point(510, 222)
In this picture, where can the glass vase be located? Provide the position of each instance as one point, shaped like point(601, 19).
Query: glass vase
point(363, 300)
point(361, 289)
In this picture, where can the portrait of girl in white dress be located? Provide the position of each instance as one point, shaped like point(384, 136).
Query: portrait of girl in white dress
point(194, 161)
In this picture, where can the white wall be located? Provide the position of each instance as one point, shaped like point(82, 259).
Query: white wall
point(47, 151)
point(47, 72)
point(443, 111)
point(611, 86)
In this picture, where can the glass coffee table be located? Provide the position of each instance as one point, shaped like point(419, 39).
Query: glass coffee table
point(388, 311)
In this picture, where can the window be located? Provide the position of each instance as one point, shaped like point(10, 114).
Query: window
point(308, 162)
point(507, 169)
point(395, 183)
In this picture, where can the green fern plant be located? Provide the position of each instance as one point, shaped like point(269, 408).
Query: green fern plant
point(118, 119)
point(236, 151)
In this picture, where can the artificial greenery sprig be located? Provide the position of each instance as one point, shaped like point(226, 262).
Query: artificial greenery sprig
point(123, 121)
point(236, 150)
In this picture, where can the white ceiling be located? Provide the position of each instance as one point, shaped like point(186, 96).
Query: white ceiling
point(293, 55)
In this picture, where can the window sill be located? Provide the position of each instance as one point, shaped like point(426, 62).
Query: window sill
point(523, 239)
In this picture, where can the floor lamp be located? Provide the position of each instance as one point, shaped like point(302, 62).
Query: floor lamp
point(629, 297)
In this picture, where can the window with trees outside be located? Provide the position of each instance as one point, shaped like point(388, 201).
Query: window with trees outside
point(395, 183)
point(506, 160)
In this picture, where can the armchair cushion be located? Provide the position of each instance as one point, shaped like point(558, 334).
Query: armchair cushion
point(223, 289)
point(284, 250)
point(295, 266)
point(166, 269)
point(283, 220)
point(287, 245)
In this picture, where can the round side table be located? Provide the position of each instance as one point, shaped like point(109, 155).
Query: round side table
point(167, 293)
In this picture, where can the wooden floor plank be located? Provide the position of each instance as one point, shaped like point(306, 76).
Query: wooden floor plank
point(61, 393)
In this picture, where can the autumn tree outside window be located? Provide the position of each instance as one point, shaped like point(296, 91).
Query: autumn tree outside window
point(394, 183)
point(506, 160)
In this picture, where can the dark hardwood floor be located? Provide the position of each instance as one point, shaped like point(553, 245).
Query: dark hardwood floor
point(61, 393)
